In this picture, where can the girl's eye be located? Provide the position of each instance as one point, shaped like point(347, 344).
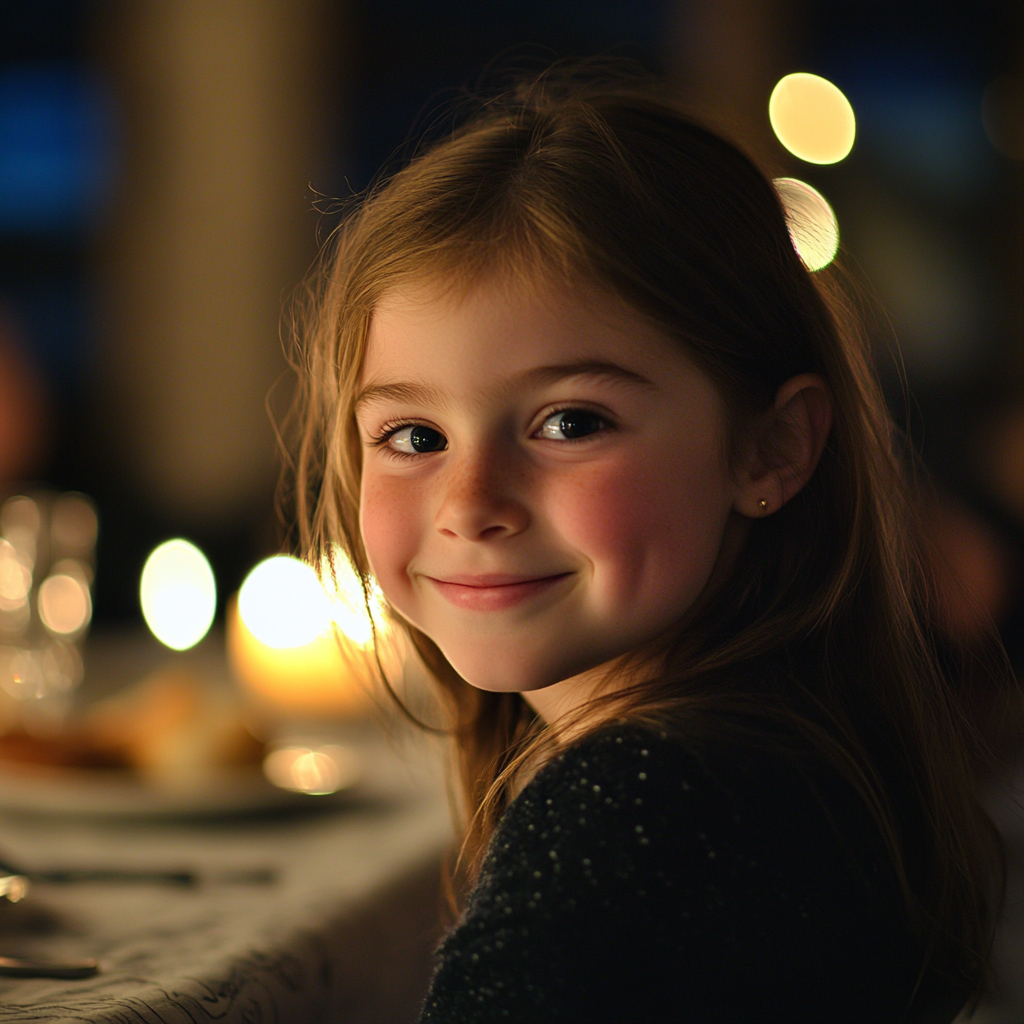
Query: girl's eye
point(418, 439)
point(570, 424)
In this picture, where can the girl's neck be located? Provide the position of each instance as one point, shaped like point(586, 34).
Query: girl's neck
point(562, 704)
point(554, 703)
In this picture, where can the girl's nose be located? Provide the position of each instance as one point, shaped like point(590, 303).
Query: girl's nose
point(482, 498)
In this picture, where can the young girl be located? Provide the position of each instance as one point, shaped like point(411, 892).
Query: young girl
point(626, 480)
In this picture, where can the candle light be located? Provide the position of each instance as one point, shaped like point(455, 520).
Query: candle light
point(305, 647)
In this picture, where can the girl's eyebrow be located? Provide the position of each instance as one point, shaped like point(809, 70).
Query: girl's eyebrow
point(397, 391)
point(587, 368)
point(420, 394)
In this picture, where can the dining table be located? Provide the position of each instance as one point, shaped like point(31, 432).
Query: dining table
point(319, 909)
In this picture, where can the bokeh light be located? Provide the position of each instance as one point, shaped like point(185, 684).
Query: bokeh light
point(812, 118)
point(15, 579)
point(302, 643)
point(19, 524)
point(317, 771)
point(178, 594)
point(811, 221)
point(64, 604)
point(30, 674)
point(73, 525)
point(14, 888)
point(21, 674)
point(73, 567)
point(283, 604)
point(348, 602)
point(61, 665)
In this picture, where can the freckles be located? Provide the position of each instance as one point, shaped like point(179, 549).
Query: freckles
point(388, 522)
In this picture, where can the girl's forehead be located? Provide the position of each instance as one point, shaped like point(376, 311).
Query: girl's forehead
point(497, 325)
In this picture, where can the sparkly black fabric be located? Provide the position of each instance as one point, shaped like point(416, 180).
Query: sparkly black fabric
point(641, 878)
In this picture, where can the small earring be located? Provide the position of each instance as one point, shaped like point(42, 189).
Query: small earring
point(764, 504)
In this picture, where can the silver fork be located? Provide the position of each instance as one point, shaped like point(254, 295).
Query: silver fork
point(14, 888)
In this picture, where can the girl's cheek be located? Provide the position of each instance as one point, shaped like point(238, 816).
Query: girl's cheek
point(389, 522)
point(648, 533)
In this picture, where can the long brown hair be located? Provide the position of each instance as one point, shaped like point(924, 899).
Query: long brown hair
point(827, 624)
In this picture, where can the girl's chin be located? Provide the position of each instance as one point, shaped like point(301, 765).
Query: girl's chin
point(513, 678)
point(502, 687)
point(505, 683)
point(496, 675)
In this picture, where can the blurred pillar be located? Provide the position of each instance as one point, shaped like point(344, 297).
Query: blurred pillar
point(223, 128)
point(728, 56)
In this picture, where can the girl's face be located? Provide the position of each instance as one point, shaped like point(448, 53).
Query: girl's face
point(545, 480)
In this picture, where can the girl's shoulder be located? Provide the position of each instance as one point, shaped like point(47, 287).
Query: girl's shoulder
point(728, 803)
point(731, 774)
point(667, 874)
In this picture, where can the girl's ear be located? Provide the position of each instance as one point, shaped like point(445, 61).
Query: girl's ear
point(786, 446)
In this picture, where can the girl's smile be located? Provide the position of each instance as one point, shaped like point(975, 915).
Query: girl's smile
point(495, 591)
point(545, 481)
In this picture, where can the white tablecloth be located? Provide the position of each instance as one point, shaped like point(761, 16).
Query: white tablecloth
point(344, 934)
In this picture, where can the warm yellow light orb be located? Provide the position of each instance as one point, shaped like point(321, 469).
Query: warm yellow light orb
point(312, 680)
point(64, 604)
point(348, 602)
point(178, 594)
point(317, 771)
point(15, 579)
point(303, 644)
point(811, 221)
point(283, 604)
point(812, 118)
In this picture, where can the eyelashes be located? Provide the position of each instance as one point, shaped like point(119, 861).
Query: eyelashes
point(571, 424)
point(382, 440)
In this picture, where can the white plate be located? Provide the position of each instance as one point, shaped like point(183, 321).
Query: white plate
point(42, 789)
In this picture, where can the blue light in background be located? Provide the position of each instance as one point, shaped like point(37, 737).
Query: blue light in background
point(930, 131)
point(920, 115)
point(56, 147)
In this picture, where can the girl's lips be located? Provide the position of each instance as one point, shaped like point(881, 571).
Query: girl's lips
point(494, 591)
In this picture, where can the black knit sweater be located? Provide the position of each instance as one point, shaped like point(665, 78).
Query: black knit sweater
point(641, 878)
